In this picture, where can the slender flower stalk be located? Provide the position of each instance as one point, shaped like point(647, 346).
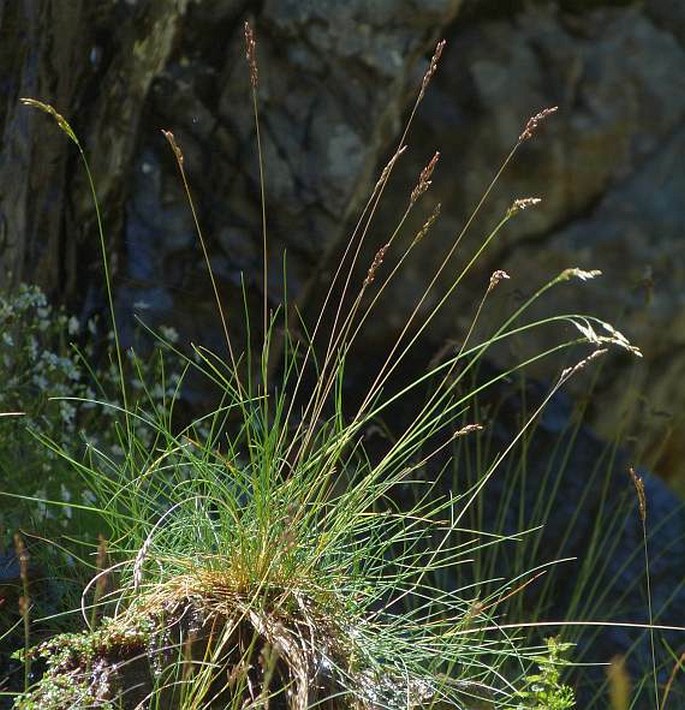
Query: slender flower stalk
point(639, 486)
point(105, 257)
point(24, 601)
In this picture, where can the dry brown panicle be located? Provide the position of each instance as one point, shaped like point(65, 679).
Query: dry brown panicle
point(432, 67)
point(533, 122)
point(424, 178)
point(251, 53)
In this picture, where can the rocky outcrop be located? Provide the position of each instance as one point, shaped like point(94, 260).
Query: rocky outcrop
point(608, 171)
point(334, 82)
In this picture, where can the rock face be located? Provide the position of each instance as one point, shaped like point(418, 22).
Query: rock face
point(334, 81)
point(332, 87)
point(608, 169)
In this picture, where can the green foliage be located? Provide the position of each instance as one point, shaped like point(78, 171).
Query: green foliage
point(68, 655)
point(276, 546)
point(545, 690)
point(47, 360)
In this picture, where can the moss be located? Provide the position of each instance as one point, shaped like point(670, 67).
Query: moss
point(169, 650)
point(85, 669)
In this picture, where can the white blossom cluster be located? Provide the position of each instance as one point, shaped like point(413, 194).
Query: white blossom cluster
point(62, 376)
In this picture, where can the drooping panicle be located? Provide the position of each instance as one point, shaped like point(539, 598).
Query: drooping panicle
point(533, 122)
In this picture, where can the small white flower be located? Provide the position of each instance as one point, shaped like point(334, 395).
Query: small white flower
point(40, 381)
point(168, 333)
point(50, 360)
point(68, 413)
point(33, 348)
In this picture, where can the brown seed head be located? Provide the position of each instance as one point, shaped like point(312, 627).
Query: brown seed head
point(385, 173)
point(427, 224)
point(496, 277)
point(23, 557)
point(468, 429)
point(432, 67)
point(377, 261)
point(251, 53)
point(101, 563)
point(174, 145)
point(569, 372)
point(424, 178)
point(640, 490)
point(533, 122)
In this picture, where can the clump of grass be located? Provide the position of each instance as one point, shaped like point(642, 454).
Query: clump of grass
point(262, 554)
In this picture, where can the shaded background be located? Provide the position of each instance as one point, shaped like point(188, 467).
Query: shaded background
point(336, 80)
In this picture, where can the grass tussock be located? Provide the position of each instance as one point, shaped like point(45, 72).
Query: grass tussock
point(263, 556)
